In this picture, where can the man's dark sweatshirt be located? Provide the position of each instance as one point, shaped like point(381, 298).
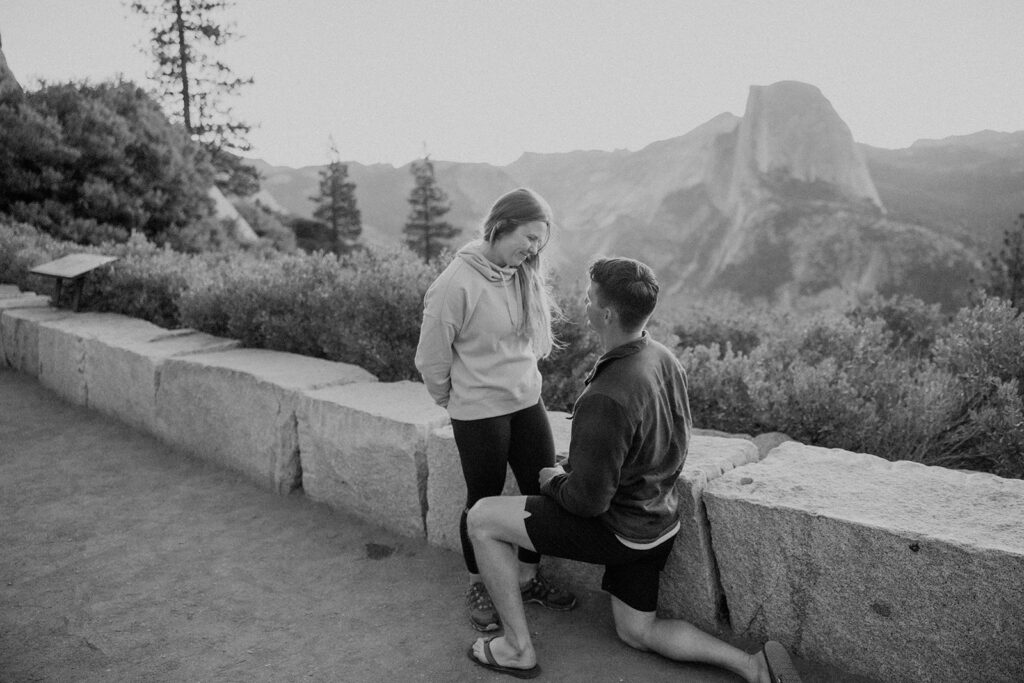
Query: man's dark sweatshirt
point(630, 432)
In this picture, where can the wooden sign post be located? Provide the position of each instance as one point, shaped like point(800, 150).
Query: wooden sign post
point(72, 267)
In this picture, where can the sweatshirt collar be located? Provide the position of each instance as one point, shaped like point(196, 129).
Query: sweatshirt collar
point(621, 351)
point(473, 254)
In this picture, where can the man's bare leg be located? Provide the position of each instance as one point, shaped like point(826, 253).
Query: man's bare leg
point(682, 641)
point(496, 527)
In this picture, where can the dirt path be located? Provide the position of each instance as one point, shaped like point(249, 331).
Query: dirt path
point(122, 560)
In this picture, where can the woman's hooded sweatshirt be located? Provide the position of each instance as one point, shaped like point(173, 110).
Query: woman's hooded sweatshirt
point(471, 354)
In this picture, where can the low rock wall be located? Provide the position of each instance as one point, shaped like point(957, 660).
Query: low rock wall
point(896, 571)
point(878, 567)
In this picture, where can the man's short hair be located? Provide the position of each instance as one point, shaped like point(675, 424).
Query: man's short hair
point(628, 286)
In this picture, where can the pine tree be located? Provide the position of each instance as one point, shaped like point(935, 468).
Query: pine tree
point(191, 81)
point(425, 232)
point(1006, 269)
point(336, 205)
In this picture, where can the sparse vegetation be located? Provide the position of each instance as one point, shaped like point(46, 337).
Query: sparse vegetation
point(892, 377)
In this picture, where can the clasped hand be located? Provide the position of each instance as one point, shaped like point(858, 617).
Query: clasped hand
point(549, 473)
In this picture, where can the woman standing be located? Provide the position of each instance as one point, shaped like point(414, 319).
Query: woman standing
point(486, 321)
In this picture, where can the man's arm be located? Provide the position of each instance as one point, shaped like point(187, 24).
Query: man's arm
point(601, 436)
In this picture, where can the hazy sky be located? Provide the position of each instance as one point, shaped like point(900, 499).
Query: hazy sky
point(486, 80)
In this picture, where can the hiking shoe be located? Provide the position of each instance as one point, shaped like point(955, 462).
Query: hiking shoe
point(541, 591)
point(482, 614)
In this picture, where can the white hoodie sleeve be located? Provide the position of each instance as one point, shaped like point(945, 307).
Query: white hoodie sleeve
point(437, 334)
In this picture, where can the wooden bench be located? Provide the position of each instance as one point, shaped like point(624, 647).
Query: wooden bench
point(73, 267)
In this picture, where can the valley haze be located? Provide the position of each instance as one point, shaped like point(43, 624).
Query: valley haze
point(778, 203)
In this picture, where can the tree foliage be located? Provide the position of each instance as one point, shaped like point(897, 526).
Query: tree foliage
point(90, 163)
point(194, 84)
point(425, 232)
point(336, 205)
point(1006, 269)
point(864, 381)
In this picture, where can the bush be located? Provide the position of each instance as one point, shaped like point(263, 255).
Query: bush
point(871, 381)
point(810, 381)
point(364, 309)
point(264, 303)
point(868, 380)
point(717, 381)
point(22, 247)
point(146, 282)
point(983, 341)
point(565, 370)
point(724, 321)
point(912, 324)
point(374, 320)
point(982, 346)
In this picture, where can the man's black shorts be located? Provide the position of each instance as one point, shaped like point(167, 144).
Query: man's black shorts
point(630, 575)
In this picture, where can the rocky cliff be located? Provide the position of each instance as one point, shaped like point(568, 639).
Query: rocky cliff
point(778, 203)
point(9, 86)
point(790, 130)
point(782, 206)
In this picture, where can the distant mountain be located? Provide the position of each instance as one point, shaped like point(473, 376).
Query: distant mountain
point(778, 203)
point(969, 187)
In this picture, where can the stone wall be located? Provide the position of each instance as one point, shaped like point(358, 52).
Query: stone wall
point(896, 571)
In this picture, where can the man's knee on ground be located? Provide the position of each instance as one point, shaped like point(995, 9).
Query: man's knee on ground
point(633, 628)
point(632, 636)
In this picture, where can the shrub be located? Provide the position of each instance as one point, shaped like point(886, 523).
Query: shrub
point(814, 403)
point(566, 369)
point(145, 282)
point(981, 347)
point(264, 303)
point(724, 321)
point(867, 381)
point(912, 324)
point(375, 313)
point(982, 341)
point(717, 381)
point(22, 247)
point(364, 309)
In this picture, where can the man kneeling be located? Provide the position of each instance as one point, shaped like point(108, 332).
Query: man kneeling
point(614, 503)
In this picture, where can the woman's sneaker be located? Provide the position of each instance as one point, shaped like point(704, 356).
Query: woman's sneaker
point(541, 591)
point(482, 614)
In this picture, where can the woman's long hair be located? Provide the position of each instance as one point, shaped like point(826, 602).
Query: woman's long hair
point(540, 308)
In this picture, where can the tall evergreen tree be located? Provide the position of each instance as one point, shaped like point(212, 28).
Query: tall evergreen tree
point(193, 84)
point(425, 232)
point(1006, 269)
point(336, 204)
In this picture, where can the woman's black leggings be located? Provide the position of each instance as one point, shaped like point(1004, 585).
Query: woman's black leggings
point(522, 440)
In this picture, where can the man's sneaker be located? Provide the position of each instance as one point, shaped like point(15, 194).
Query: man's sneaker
point(543, 592)
point(482, 614)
